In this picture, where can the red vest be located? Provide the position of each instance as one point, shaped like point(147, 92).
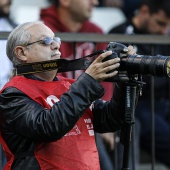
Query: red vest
point(77, 149)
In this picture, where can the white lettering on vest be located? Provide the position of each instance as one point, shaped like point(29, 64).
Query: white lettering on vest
point(51, 100)
point(74, 131)
point(89, 126)
point(87, 120)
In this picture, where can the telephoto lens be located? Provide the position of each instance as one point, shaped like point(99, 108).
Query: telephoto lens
point(142, 64)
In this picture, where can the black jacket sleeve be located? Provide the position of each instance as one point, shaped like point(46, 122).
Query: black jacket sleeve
point(109, 116)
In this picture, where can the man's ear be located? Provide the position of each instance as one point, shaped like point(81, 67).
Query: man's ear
point(21, 53)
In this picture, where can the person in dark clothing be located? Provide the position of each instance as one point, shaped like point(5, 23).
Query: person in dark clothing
point(153, 17)
point(46, 120)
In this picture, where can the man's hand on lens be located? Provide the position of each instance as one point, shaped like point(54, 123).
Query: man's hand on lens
point(131, 50)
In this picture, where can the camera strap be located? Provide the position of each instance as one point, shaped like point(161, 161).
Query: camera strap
point(63, 65)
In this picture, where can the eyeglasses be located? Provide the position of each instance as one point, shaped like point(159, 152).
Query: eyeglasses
point(46, 41)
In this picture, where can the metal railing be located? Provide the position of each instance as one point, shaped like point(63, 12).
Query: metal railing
point(97, 38)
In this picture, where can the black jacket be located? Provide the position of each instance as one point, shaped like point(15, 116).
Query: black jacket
point(18, 112)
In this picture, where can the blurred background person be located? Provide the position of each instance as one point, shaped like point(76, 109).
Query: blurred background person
point(152, 17)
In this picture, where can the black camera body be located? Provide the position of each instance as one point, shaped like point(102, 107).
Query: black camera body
point(131, 65)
